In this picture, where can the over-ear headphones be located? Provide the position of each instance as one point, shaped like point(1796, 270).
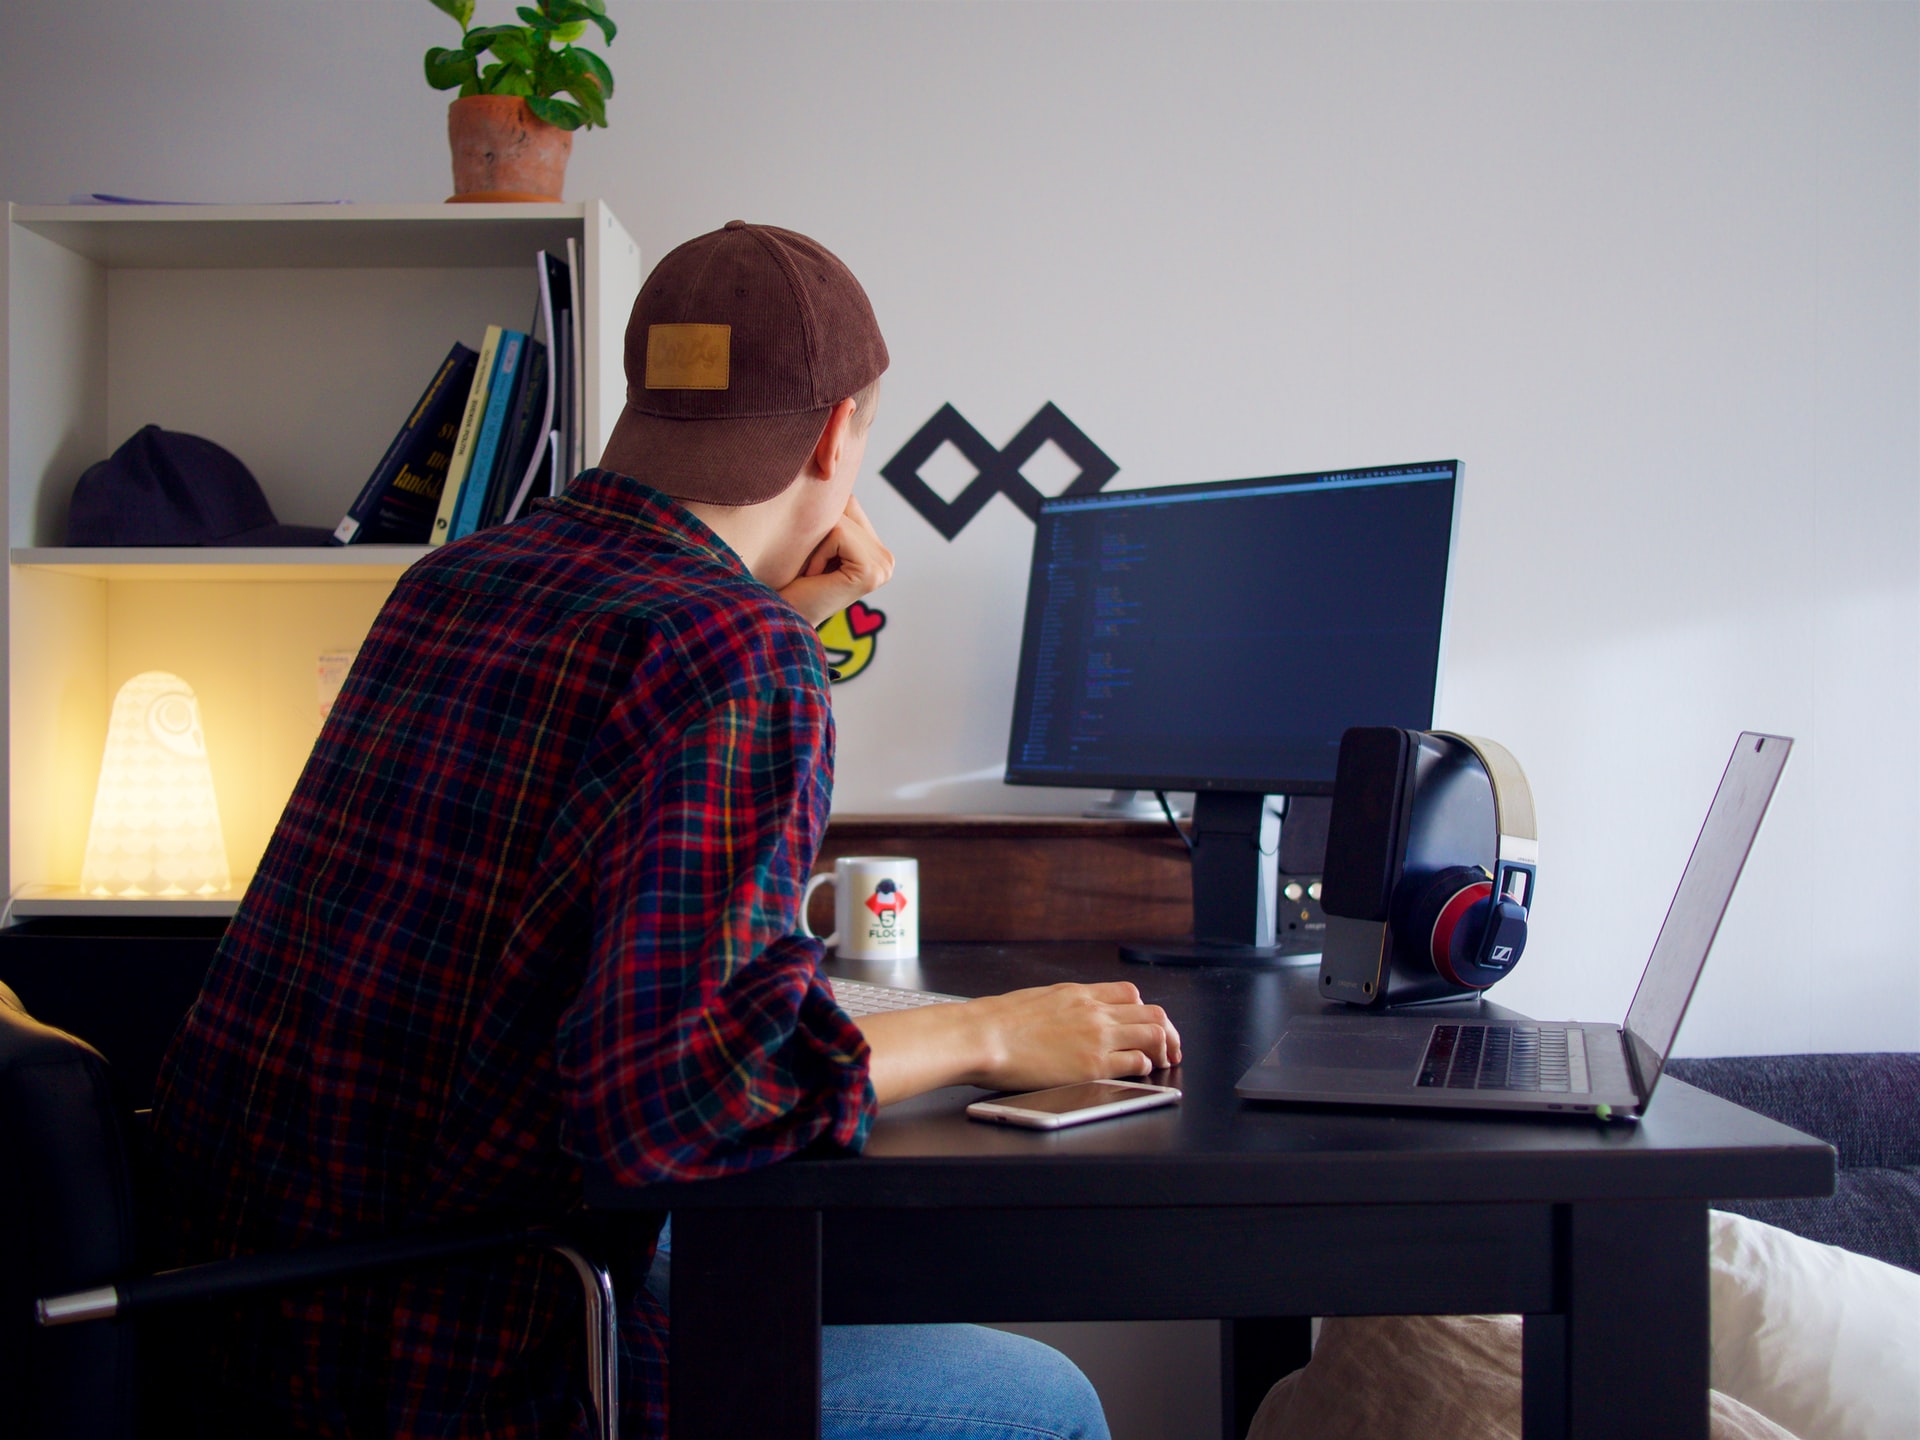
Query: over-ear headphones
point(1432, 858)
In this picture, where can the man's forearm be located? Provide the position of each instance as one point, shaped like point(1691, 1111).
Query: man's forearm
point(917, 1050)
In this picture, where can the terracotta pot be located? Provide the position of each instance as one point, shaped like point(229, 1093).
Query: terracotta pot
point(503, 151)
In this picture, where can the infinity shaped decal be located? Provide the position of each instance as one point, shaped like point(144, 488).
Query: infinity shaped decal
point(999, 470)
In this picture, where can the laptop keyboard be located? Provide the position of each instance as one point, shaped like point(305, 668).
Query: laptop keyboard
point(1496, 1057)
point(859, 997)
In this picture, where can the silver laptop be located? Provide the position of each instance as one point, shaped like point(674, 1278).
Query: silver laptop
point(1468, 1064)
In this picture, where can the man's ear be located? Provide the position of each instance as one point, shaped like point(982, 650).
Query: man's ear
point(830, 450)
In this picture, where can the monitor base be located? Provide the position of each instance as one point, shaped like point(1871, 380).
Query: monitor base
point(1221, 952)
point(1128, 805)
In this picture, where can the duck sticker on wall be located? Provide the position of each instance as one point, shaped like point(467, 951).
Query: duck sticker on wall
point(997, 471)
point(850, 638)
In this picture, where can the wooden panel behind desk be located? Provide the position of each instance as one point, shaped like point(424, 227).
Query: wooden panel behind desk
point(1027, 877)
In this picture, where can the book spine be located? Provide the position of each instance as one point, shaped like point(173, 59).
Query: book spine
point(569, 465)
point(463, 443)
point(473, 491)
point(523, 436)
point(405, 513)
point(553, 281)
point(420, 420)
point(577, 418)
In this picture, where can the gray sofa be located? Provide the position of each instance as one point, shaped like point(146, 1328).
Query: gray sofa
point(1868, 1108)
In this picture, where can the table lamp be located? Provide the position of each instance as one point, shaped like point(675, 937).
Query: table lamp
point(156, 824)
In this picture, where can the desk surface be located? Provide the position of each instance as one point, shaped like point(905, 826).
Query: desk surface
point(1228, 1209)
point(1216, 1149)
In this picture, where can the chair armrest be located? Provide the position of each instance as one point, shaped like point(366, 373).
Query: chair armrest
point(220, 1279)
point(245, 1274)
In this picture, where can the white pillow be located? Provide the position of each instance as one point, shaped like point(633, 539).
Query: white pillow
point(1823, 1342)
point(1429, 1377)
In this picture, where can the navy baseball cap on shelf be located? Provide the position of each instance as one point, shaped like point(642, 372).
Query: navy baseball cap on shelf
point(165, 487)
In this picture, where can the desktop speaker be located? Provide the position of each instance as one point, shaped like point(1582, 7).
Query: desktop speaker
point(1430, 868)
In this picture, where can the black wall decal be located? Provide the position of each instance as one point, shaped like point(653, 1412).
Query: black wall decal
point(999, 469)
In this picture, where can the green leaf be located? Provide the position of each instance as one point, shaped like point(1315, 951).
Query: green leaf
point(461, 10)
point(588, 95)
point(448, 68)
point(594, 66)
point(593, 10)
point(576, 13)
point(513, 82)
point(487, 36)
point(516, 49)
point(558, 112)
point(559, 29)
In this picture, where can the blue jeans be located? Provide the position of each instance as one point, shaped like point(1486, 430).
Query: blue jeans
point(938, 1382)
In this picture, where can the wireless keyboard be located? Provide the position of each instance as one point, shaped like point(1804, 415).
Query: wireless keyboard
point(858, 997)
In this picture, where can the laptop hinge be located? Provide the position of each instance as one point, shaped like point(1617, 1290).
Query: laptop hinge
point(1639, 1081)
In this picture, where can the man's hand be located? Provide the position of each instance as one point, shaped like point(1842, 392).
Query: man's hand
point(848, 565)
point(1025, 1040)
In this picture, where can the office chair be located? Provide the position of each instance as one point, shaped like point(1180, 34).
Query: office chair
point(70, 1204)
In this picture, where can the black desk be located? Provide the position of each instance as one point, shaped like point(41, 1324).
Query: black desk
point(1219, 1208)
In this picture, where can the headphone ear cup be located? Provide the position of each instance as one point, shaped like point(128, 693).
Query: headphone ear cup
point(1497, 947)
point(1444, 923)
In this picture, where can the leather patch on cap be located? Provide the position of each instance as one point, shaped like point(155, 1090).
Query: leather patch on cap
point(688, 357)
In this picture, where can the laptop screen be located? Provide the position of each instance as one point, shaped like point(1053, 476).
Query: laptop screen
point(1698, 905)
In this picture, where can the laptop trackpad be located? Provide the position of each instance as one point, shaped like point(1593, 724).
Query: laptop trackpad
point(1318, 1049)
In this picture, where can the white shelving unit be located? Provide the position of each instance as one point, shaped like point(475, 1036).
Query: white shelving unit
point(295, 336)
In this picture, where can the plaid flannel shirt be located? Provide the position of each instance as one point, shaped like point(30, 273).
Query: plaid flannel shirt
point(530, 908)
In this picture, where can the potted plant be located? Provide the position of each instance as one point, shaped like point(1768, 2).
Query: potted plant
point(510, 130)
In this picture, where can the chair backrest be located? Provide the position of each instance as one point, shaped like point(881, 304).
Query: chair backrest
point(67, 1212)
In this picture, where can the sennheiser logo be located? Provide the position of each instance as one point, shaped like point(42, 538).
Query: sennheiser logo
point(1502, 954)
point(998, 471)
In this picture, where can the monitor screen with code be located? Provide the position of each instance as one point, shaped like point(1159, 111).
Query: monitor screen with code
point(1223, 636)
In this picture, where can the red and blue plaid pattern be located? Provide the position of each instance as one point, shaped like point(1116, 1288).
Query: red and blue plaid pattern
point(530, 908)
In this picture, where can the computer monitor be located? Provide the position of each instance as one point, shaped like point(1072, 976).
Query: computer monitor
point(1220, 638)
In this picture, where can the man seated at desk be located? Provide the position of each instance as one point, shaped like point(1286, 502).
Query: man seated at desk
point(531, 908)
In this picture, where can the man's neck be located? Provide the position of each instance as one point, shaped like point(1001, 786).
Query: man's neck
point(756, 533)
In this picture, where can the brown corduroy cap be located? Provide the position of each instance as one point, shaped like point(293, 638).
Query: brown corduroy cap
point(740, 344)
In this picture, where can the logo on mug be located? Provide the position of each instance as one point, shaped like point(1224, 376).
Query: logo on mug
point(886, 902)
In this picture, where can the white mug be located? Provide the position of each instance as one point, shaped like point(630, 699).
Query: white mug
point(876, 907)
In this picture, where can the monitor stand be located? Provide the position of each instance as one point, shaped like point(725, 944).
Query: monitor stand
point(1231, 922)
point(1126, 805)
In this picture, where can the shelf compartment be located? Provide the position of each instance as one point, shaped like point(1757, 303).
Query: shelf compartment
point(250, 649)
point(294, 336)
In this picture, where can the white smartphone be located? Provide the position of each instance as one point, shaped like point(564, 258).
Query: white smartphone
point(1072, 1104)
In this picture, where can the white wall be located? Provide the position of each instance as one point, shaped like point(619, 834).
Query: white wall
point(1650, 271)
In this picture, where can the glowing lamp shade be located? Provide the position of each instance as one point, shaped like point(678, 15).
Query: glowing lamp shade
point(156, 827)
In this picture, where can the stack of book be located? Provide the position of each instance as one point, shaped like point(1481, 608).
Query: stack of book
point(493, 430)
